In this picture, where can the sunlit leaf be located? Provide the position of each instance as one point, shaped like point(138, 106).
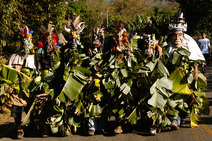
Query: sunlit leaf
point(180, 85)
point(157, 100)
point(151, 65)
point(72, 88)
point(26, 120)
point(124, 72)
point(202, 81)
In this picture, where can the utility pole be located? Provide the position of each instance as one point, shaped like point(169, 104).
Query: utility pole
point(107, 18)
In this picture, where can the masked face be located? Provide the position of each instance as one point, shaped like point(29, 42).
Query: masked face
point(177, 38)
point(27, 44)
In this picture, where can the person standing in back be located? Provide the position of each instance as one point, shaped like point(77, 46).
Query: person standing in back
point(204, 44)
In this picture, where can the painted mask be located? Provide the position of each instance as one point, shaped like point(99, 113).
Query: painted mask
point(177, 38)
point(149, 44)
point(27, 39)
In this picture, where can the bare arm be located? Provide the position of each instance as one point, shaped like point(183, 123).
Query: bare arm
point(195, 72)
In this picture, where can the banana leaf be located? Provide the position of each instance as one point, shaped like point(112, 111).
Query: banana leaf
point(151, 66)
point(54, 128)
point(79, 108)
point(72, 87)
point(183, 52)
point(83, 70)
point(202, 81)
point(157, 100)
point(176, 58)
point(193, 119)
point(73, 123)
point(9, 73)
point(162, 68)
point(125, 88)
point(13, 76)
point(166, 121)
point(132, 118)
point(180, 85)
point(95, 110)
point(26, 120)
point(124, 72)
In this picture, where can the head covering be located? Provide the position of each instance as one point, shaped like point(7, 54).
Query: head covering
point(25, 32)
point(178, 22)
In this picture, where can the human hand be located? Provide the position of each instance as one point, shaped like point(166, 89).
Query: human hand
point(10, 90)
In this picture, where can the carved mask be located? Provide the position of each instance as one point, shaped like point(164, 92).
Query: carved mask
point(177, 38)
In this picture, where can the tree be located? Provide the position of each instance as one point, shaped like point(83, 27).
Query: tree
point(127, 9)
point(198, 14)
point(34, 14)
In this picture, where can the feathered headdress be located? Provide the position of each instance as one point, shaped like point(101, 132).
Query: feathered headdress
point(178, 22)
point(98, 30)
point(25, 32)
point(74, 24)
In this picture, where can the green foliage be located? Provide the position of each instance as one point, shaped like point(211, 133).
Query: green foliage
point(156, 21)
point(77, 7)
point(201, 10)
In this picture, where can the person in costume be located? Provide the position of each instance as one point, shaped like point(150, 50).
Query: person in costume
point(49, 46)
point(24, 58)
point(179, 39)
point(204, 44)
point(74, 27)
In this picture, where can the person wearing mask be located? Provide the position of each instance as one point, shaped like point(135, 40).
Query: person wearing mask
point(179, 39)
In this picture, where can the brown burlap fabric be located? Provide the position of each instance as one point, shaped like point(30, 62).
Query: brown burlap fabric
point(19, 99)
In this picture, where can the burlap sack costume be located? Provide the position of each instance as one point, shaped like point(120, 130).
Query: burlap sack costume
point(24, 57)
point(19, 99)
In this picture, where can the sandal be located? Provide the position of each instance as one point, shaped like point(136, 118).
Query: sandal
point(68, 132)
point(118, 130)
point(174, 126)
point(20, 133)
point(91, 132)
point(153, 130)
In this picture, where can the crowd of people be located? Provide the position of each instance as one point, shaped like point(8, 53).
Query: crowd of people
point(51, 43)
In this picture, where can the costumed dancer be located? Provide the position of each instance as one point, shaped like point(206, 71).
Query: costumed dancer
point(48, 48)
point(122, 49)
point(74, 27)
point(96, 123)
point(180, 39)
point(152, 50)
point(24, 58)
